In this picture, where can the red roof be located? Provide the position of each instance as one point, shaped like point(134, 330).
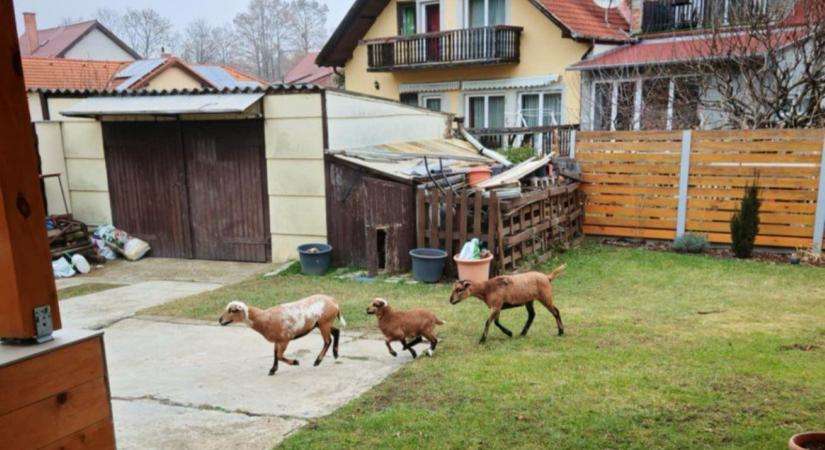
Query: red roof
point(55, 42)
point(584, 19)
point(676, 49)
point(306, 71)
point(60, 73)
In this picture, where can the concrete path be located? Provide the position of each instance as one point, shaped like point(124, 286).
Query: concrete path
point(99, 310)
point(160, 371)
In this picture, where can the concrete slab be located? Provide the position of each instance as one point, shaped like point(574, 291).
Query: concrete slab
point(148, 424)
point(167, 269)
point(226, 367)
point(99, 310)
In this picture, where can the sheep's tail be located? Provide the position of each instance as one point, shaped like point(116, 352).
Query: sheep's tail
point(555, 274)
point(439, 321)
point(341, 318)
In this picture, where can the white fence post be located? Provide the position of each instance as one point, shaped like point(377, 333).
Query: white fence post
point(819, 224)
point(572, 144)
point(684, 176)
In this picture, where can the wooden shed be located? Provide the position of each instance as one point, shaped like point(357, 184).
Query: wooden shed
point(371, 198)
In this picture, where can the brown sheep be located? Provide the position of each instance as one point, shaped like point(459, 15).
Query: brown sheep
point(511, 291)
point(283, 323)
point(402, 325)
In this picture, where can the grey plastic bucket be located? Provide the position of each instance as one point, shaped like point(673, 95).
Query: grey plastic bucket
point(428, 264)
point(315, 258)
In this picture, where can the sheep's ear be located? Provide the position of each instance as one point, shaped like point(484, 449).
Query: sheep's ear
point(465, 284)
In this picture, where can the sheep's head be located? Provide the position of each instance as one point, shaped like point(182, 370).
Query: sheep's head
point(461, 290)
point(234, 312)
point(377, 305)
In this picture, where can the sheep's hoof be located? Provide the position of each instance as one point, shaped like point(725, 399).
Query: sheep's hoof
point(482, 340)
point(296, 363)
point(272, 372)
point(428, 352)
point(317, 363)
point(394, 354)
point(561, 332)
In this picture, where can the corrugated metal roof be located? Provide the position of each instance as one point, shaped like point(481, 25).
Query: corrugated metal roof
point(163, 105)
point(271, 89)
point(405, 160)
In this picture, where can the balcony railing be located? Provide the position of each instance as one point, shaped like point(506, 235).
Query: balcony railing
point(670, 15)
point(472, 46)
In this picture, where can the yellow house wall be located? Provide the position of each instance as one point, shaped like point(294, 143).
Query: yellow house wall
point(543, 52)
point(173, 78)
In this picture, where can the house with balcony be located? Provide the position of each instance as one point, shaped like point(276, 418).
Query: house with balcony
point(664, 78)
point(496, 63)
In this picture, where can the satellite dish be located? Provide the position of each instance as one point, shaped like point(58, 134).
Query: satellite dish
point(607, 3)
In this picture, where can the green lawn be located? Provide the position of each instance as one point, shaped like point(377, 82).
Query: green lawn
point(660, 351)
point(85, 289)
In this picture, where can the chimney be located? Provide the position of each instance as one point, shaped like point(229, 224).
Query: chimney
point(635, 16)
point(30, 21)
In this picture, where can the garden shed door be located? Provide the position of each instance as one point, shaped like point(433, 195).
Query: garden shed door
point(190, 189)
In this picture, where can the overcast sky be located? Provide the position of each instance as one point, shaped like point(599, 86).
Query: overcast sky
point(51, 12)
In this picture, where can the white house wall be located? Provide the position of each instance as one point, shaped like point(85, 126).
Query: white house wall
point(294, 135)
point(360, 121)
point(53, 161)
point(96, 45)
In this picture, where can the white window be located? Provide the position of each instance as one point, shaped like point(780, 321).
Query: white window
point(650, 103)
point(483, 13)
point(432, 102)
point(485, 111)
point(540, 108)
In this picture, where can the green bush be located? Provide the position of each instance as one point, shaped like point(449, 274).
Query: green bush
point(691, 243)
point(744, 225)
point(518, 154)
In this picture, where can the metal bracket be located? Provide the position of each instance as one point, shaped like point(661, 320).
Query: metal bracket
point(43, 324)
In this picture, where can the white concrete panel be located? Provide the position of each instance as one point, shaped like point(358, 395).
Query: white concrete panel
point(294, 138)
point(87, 175)
point(284, 247)
point(295, 177)
point(58, 105)
point(91, 207)
point(35, 110)
point(50, 147)
point(83, 140)
point(292, 105)
point(98, 46)
point(298, 215)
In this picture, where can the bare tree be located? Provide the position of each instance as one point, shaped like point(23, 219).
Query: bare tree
point(70, 20)
point(308, 26)
point(226, 45)
point(111, 19)
point(262, 31)
point(146, 31)
point(199, 46)
point(763, 66)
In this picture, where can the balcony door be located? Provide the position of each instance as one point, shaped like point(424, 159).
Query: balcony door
point(485, 13)
point(431, 12)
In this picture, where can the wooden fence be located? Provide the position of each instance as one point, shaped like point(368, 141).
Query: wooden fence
point(660, 184)
point(511, 229)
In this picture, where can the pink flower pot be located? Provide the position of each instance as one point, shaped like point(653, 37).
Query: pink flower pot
point(474, 269)
point(804, 441)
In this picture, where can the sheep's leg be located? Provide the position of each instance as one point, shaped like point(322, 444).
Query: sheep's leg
point(493, 316)
point(433, 342)
point(281, 349)
point(336, 333)
point(389, 347)
point(325, 333)
point(503, 328)
point(409, 345)
point(531, 314)
point(547, 301)
point(275, 362)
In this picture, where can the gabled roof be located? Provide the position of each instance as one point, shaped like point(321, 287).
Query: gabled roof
point(579, 19)
point(55, 42)
point(60, 73)
point(306, 71)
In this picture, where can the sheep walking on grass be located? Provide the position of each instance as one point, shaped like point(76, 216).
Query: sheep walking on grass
point(283, 323)
point(511, 291)
point(415, 325)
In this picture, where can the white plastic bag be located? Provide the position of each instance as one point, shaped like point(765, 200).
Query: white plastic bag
point(80, 264)
point(471, 250)
point(130, 247)
point(62, 268)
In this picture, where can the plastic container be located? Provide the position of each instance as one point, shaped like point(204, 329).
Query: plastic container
point(473, 269)
point(478, 174)
point(428, 264)
point(803, 441)
point(315, 258)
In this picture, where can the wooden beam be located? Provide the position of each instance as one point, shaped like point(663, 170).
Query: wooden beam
point(26, 278)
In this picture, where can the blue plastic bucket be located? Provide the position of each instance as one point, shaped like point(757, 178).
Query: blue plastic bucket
point(315, 258)
point(428, 264)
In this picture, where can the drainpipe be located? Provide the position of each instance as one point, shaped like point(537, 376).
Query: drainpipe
point(492, 154)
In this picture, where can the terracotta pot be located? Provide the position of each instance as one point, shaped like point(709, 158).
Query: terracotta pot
point(803, 441)
point(473, 269)
point(478, 174)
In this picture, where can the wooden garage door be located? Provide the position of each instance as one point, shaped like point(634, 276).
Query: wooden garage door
point(147, 184)
point(226, 169)
point(191, 189)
